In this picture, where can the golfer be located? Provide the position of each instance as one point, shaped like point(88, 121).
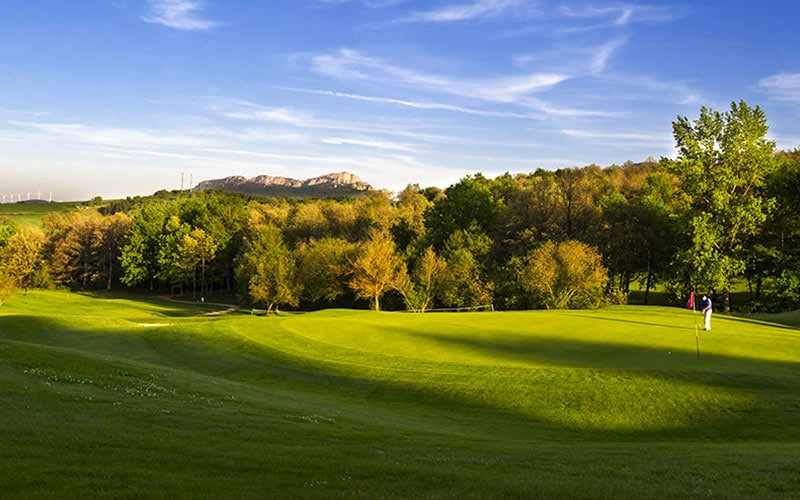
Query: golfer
point(705, 306)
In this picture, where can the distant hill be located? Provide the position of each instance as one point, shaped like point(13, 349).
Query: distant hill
point(330, 185)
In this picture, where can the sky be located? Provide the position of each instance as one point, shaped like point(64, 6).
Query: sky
point(119, 98)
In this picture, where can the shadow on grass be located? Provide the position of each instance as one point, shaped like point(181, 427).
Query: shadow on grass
point(168, 306)
point(235, 358)
point(790, 320)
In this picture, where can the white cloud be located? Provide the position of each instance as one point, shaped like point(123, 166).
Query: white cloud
point(783, 87)
point(467, 12)
point(278, 115)
point(111, 136)
point(23, 112)
point(653, 139)
point(365, 3)
point(674, 92)
point(566, 112)
point(603, 53)
point(417, 104)
point(619, 15)
point(349, 64)
point(178, 14)
point(368, 143)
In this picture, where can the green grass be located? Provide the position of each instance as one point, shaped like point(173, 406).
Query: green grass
point(116, 397)
point(31, 214)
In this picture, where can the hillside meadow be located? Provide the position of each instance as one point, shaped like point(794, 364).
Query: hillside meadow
point(31, 214)
point(122, 396)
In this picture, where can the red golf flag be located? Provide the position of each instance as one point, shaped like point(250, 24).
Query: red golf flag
point(690, 303)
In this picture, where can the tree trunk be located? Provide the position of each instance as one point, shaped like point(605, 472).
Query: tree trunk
point(110, 271)
point(203, 277)
point(377, 303)
point(649, 281)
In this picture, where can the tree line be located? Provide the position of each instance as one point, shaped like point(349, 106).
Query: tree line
point(725, 211)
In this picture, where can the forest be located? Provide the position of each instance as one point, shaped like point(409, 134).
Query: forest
point(723, 214)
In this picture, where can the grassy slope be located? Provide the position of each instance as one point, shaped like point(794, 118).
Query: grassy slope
point(31, 213)
point(125, 398)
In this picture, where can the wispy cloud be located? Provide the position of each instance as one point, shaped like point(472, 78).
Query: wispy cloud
point(657, 139)
point(603, 53)
point(783, 87)
point(618, 15)
point(655, 89)
point(178, 14)
point(287, 116)
point(350, 64)
point(515, 90)
point(578, 59)
point(365, 3)
point(23, 112)
point(418, 104)
point(111, 136)
point(569, 112)
point(368, 143)
point(468, 11)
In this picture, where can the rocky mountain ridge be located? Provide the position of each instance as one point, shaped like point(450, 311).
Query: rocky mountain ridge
point(344, 181)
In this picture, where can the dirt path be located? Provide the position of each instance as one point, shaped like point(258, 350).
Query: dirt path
point(229, 308)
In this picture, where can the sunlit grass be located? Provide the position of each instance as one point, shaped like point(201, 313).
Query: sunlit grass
point(31, 214)
point(103, 396)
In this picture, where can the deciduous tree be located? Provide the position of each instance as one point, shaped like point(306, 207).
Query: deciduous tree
point(466, 283)
point(467, 204)
point(267, 269)
point(723, 159)
point(427, 280)
point(377, 268)
point(22, 258)
point(564, 275)
point(197, 249)
point(323, 266)
point(8, 286)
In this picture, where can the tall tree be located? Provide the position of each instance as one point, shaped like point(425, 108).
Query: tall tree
point(139, 253)
point(775, 253)
point(410, 225)
point(174, 267)
point(323, 268)
point(377, 268)
point(22, 257)
point(466, 283)
point(114, 228)
point(268, 270)
point(467, 204)
point(197, 249)
point(426, 282)
point(75, 247)
point(578, 189)
point(722, 161)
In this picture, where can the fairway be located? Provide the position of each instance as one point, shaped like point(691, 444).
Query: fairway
point(125, 397)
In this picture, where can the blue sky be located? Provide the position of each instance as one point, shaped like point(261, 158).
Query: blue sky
point(120, 97)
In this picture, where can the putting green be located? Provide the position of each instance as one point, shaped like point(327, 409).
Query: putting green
point(108, 396)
